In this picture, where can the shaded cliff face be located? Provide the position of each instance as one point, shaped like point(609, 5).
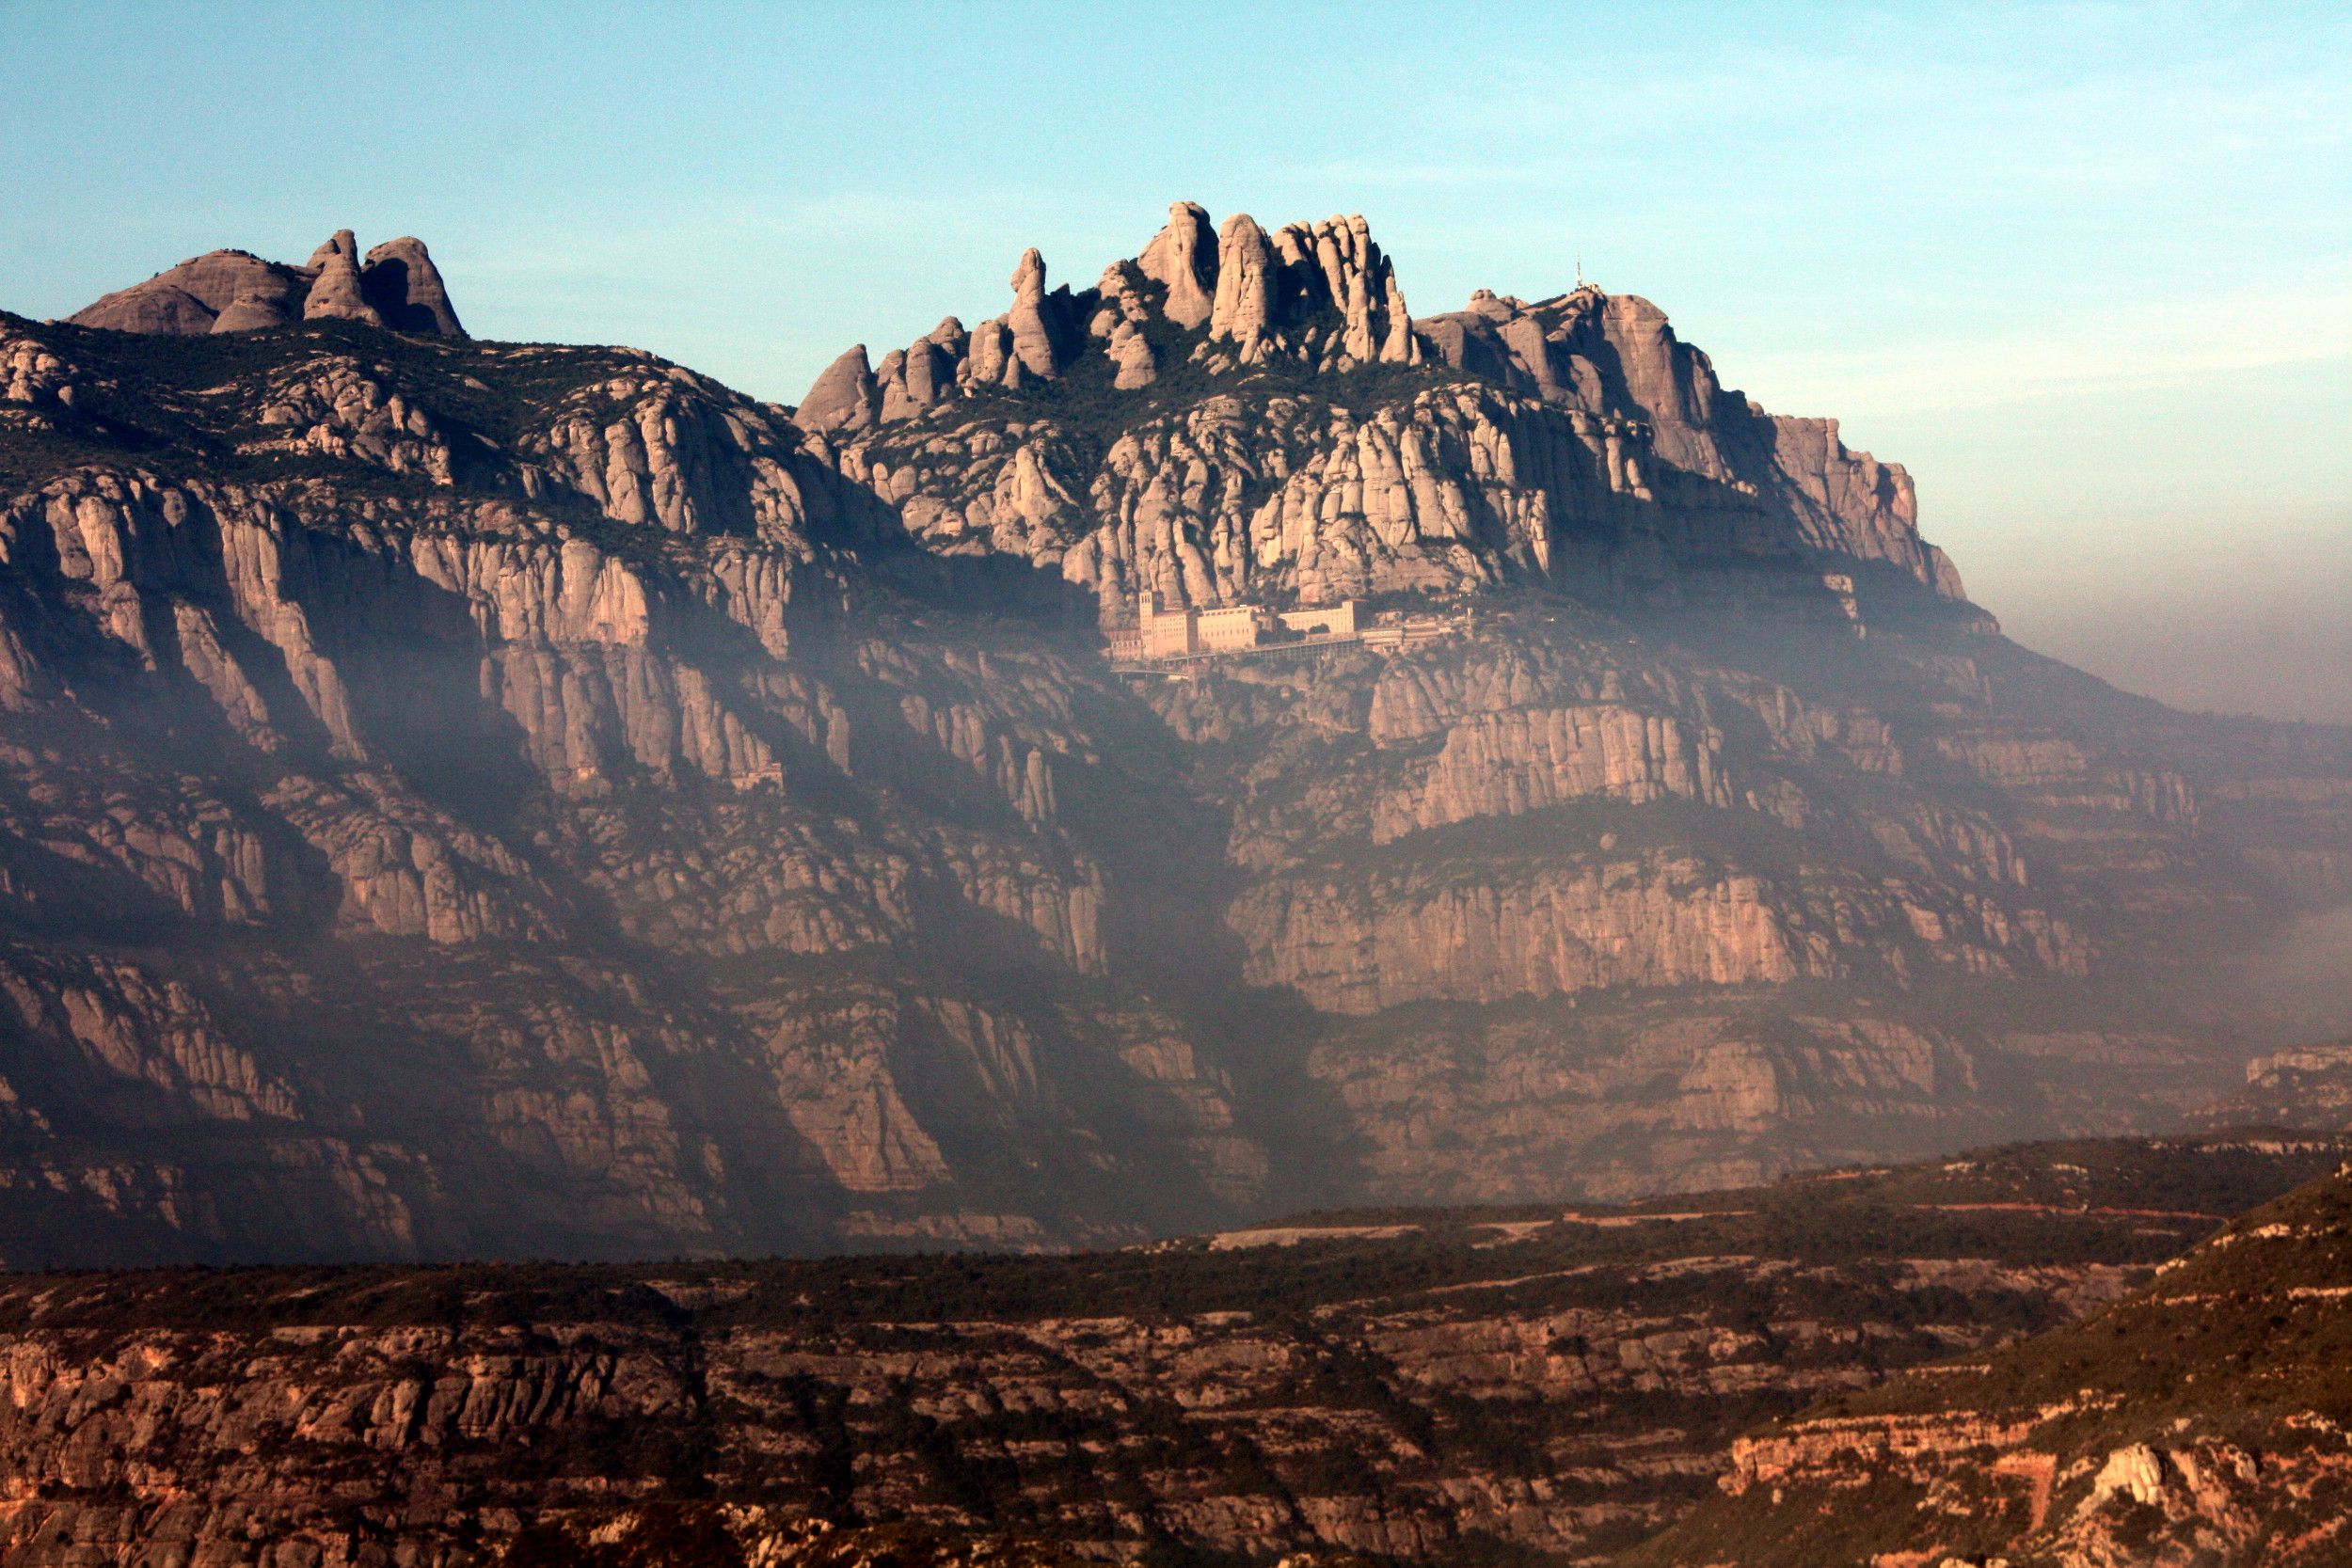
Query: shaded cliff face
point(1528, 1383)
point(463, 799)
point(468, 798)
point(2200, 1419)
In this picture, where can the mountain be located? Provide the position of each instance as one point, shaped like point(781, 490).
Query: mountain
point(464, 799)
point(2308, 1086)
point(1235, 415)
point(2200, 1419)
point(1527, 1384)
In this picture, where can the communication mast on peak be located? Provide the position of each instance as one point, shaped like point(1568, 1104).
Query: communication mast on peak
point(1579, 269)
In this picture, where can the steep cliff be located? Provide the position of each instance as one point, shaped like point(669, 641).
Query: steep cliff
point(466, 798)
point(2306, 1087)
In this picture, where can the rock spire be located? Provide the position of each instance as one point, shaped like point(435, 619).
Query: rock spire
point(233, 291)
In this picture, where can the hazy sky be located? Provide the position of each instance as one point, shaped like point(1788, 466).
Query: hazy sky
point(2085, 270)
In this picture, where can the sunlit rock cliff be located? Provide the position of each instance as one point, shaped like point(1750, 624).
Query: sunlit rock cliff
point(469, 798)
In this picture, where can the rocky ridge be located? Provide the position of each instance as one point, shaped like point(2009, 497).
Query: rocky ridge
point(395, 285)
point(1535, 1382)
point(470, 799)
point(2200, 1419)
point(1244, 418)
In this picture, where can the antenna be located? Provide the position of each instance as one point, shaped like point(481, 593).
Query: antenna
point(1579, 269)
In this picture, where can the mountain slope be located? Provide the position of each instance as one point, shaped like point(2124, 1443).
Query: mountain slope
point(466, 799)
point(1516, 1384)
point(2200, 1420)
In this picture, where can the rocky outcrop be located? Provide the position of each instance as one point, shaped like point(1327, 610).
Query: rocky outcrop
point(1041, 336)
point(335, 292)
point(1242, 311)
point(1606, 455)
point(2188, 1421)
point(843, 397)
point(1507, 764)
point(2307, 1086)
point(195, 297)
point(401, 282)
point(1184, 259)
point(656, 445)
point(1556, 1382)
point(1429, 932)
point(233, 290)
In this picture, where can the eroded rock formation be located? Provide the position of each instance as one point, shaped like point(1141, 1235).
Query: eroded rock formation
point(481, 798)
point(1551, 1385)
point(233, 290)
point(1598, 451)
point(2200, 1419)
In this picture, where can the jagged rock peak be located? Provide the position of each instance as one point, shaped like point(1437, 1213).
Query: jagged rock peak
point(1317, 293)
point(235, 290)
point(1183, 257)
point(335, 295)
point(1039, 331)
point(1335, 265)
point(341, 242)
point(1243, 310)
point(843, 397)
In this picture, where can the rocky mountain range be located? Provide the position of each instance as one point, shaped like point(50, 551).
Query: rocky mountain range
point(466, 798)
point(1527, 1385)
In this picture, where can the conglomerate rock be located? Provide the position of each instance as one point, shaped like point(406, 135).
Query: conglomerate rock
point(486, 799)
point(233, 290)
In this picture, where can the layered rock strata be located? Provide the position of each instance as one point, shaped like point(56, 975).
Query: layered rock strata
point(2200, 1419)
point(1405, 1386)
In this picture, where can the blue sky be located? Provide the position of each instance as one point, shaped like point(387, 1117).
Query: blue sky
point(2085, 270)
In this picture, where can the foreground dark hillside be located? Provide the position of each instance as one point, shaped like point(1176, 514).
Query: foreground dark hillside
point(2200, 1420)
point(465, 798)
point(1498, 1384)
